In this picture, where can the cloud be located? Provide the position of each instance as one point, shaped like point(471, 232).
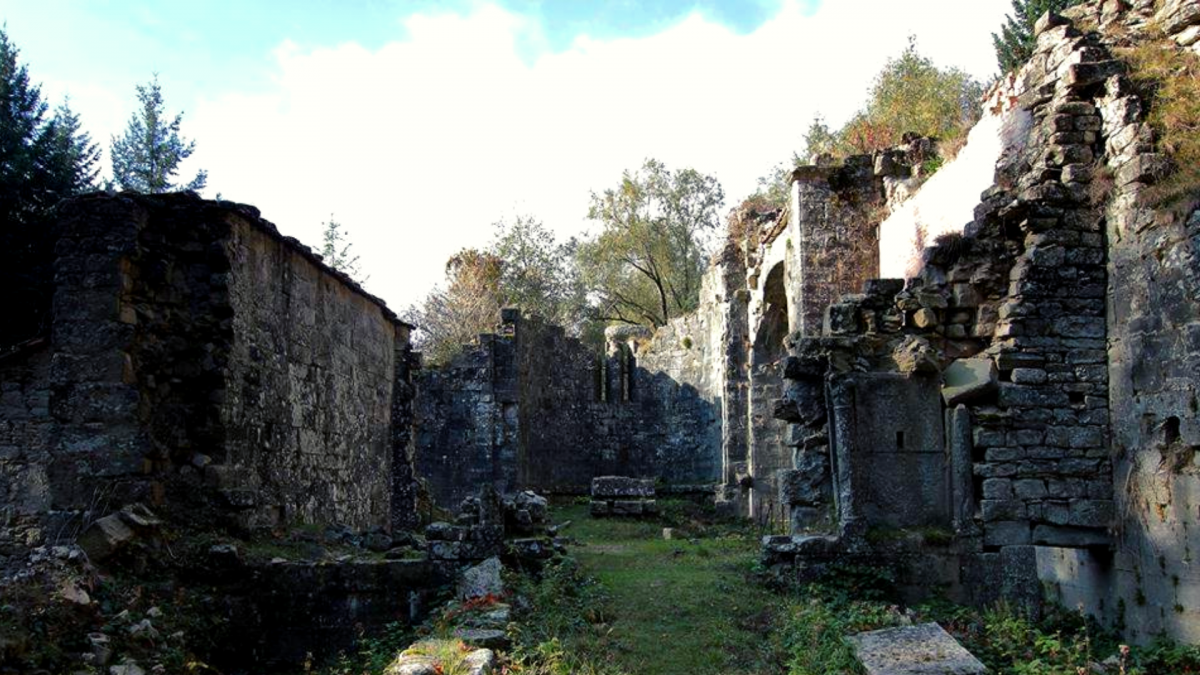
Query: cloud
point(419, 145)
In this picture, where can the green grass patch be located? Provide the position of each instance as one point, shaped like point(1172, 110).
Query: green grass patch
point(679, 605)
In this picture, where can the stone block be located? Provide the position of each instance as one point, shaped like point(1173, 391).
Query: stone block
point(1085, 74)
point(1003, 509)
point(622, 486)
point(1057, 535)
point(105, 537)
point(627, 507)
point(969, 379)
point(1006, 533)
point(481, 580)
point(924, 649)
point(1028, 375)
point(997, 488)
point(1030, 488)
point(1092, 512)
point(600, 508)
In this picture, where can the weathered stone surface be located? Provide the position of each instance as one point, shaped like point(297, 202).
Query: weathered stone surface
point(924, 649)
point(481, 580)
point(105, 537)
point(420, 659)
point(969, 379)
point(609, 487)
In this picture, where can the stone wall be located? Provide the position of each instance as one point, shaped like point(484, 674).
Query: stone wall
point(196, 359)
point(1060, 327)
point(1153, 368)
point(531, 408)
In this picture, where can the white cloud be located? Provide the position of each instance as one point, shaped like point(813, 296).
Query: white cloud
point(418, 146)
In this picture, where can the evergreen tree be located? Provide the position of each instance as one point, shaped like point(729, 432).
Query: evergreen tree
point(41, 162)
point(75, 157)
point(335, 249)
point(1014, 44)
point(147, 157)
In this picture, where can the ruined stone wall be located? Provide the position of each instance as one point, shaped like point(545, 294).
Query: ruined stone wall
point(203, 364)
point(1059, 326)
point(532, 408)
point(466, 423)
point(1154, 369)
point(308, 389)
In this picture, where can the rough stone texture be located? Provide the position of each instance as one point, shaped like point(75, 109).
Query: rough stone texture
point(529, 407)
point(924, 649)
point(1153, 366)
point(481, 580)
point(280, 612)
point(417, 660)
point(197, 360)
point(1076, 296)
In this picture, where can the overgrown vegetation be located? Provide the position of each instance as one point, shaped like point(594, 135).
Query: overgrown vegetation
point(909, 95)
point(1170, 79)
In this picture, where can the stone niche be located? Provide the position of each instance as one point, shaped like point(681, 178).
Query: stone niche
point(890, 449)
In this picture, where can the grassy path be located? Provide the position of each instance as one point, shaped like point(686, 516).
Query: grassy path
point(678, 606)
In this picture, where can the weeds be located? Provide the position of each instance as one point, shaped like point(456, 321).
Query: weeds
point(1170, 79)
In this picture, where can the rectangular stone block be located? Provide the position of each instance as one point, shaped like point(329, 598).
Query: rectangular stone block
point(1002, 533)
point(622, 486)
point(925, 649)
point(627, 507)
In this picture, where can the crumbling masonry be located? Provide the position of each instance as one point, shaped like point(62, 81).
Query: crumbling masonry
point(1018, 420)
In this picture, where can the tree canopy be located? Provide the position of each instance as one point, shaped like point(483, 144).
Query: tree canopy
point(645, 264)
point(146, 159)
point(524, 266)
point(910, 94)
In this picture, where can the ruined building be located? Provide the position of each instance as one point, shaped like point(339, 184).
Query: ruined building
point(1018, 419)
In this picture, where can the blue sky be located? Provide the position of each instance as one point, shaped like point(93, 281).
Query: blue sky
point(419, 124)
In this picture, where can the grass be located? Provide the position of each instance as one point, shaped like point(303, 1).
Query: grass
point(677, 606)
point(1170, 80)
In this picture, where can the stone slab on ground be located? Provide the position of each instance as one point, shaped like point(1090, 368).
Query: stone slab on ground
point(419, 660)
point(924, 649)
point(491, 638)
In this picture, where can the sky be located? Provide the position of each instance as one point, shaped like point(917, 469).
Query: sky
point(417, 125)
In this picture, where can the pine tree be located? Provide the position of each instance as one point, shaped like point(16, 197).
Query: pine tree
point(41, 162)
point(147, 157)
point(1014, 44)
point(336, 250)
point(74, 156)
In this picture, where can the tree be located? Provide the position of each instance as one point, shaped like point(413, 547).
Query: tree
point(1014, 44)
point(468, 304)
point(911, 94)
point(524, 266)
point(335, 249)
point(538, 274)
point(644, 266)
point(818, 140)
point(41, 162)
point(147, 157)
